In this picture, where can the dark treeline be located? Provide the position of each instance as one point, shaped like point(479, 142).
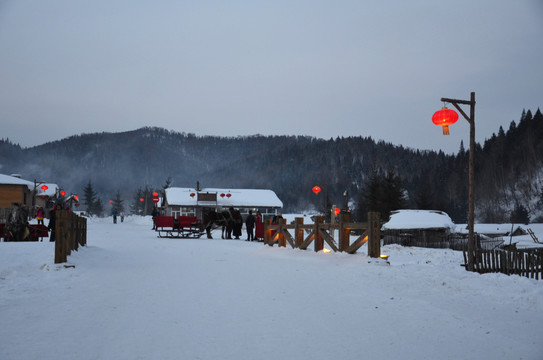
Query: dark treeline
point(509, 167)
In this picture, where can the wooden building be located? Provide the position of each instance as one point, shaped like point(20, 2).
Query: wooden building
point(191, 202)
point(13, 189)
point(423, 228)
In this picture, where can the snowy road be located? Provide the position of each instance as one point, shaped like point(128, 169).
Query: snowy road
point(134, 296)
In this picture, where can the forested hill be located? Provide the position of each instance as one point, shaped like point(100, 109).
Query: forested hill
point(509, 166)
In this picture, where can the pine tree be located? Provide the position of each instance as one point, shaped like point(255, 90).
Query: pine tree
point(118, 202)
point(89, 199)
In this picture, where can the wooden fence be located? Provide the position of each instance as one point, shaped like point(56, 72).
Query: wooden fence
point(70, 233)
point(514, 262)
point(320, 233)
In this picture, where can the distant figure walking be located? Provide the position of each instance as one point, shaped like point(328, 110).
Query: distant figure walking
point(114, 213)
point(154, 214)
point(39, 215)
point(250, 225)
point(122, 216)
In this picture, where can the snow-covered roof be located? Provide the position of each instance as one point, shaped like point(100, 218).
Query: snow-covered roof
point(51, 190)
point(418, 219)
point(238, 197)
point(12, 180)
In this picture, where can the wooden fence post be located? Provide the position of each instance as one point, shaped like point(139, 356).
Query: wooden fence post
point(282, 239)
point(70, 232)
point(374, 237)
point(344, 234)
point(60, 237)
point(298, 232)
point(319, 241)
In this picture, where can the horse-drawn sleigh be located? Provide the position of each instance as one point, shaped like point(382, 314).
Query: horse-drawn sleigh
point(180, 227)
point(192, 227)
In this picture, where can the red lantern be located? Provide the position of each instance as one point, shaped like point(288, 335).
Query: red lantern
point(111, 201)
point(336, 211)
point(142, 199)
point(44, 187)
point(155, 194)
point(316, 190)
point(192, 195)
point(228, 195)
point(62, 192)
point(445, 117)
point(76, 198)
point(222, 195)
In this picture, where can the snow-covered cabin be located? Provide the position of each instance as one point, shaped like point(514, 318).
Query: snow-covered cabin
point(13, 189)
point(190, 202)
point(425, 228)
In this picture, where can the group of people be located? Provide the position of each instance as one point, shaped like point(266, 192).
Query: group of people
point(250, 222)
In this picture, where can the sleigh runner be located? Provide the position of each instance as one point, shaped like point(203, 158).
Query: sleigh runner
point(180, 227)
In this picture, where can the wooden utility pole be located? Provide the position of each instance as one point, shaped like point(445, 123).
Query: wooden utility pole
point(471, 120)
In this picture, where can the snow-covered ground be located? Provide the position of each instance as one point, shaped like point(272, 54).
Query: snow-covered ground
point(131, 295)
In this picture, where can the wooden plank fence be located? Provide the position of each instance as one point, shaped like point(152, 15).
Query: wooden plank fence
point(319, 234)
point(70, 233)
point(514, 262)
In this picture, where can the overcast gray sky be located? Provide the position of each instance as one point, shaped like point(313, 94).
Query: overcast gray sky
point(319, 68)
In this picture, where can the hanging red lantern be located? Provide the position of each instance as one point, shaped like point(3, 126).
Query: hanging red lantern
point(336, 211)
point(142, 199)
point(445, 117)
point(62, 192)
point(316, 190)
point(222, 195)
point(44, 187)
point(76, 198)
point(111, 201)
point(155, 194)
point(228, 195)
point(192, 195)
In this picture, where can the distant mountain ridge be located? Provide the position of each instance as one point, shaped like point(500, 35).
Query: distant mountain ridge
point(289, 165)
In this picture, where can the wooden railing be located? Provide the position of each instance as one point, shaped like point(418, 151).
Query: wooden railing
point(70, 233)
point(319, 234)
point(513, 262)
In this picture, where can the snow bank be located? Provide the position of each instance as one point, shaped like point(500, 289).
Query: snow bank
point(131, 295)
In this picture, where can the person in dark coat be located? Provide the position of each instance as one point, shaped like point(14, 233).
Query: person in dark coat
point(250, 225)
point(154, 214)
point(238, 223)
point(52, 223)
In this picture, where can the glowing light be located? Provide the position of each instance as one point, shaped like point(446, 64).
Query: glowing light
point(44, 187)
point(316, 190)
point(325, 250)
point(336, 211)
point(444, 118)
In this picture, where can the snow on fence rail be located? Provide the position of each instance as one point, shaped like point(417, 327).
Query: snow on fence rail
point(70, 232)
point(514, 262)
point(320, 233)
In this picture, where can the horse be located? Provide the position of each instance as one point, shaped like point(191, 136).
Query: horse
point(17, 222)
point(213, 219)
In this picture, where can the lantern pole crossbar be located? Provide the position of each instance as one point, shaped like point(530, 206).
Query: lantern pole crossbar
point(455, 103)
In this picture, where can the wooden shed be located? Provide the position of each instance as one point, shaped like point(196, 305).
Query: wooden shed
point(13, 189)
point(423, 228)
